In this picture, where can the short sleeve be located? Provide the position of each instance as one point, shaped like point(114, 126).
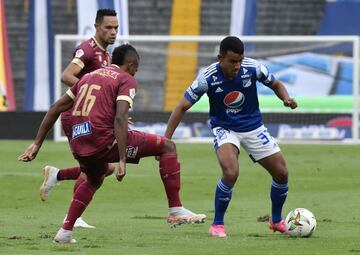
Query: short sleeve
point(195, 91)
point(127, 90)
point(263, 75)
point(82, 55)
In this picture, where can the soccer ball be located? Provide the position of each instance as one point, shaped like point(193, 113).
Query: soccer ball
point(300, 222)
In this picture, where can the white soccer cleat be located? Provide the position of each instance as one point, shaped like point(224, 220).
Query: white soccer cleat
point(80, 223)
point(181, 215)
point(50, 181)
point(64, 236)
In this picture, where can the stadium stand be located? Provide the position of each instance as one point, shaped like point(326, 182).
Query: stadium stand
point(152, 17)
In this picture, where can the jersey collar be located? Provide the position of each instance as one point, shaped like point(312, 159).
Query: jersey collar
point(98, 44)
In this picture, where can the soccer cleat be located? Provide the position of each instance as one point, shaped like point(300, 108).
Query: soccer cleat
point(280, 226)
point(217, 231)
point(50, 181)
point(184, 216)
point(64, 236)
point(80, 223)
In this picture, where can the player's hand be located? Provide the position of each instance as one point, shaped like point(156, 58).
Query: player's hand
point(122, 171)
point(30, 153)
point(291, 102)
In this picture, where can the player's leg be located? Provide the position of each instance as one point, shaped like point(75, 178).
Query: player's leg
point(169, 167)
point(227, 151)
point(141, 145)
point(53, 175)
point(93, 179)
point(263, 149)
point(276, 166)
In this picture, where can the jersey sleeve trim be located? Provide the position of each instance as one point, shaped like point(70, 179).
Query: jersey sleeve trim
point(70, 94)
point(125, 98)
point(78, 62)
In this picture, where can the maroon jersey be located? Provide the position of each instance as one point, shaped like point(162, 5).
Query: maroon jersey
point(91, 126)
point(89, 55)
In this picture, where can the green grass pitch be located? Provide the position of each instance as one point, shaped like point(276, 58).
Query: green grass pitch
point(131, 216)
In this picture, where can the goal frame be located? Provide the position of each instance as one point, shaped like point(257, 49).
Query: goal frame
point(355, 40)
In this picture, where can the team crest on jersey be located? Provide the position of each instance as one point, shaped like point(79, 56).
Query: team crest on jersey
point(234, 99)
point(131, 152)
point(246, 83)
point(79, 53)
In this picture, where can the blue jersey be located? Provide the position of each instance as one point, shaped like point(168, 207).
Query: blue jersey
point(234, 104)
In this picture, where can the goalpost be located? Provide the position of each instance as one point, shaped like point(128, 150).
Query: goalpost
point(321, 72)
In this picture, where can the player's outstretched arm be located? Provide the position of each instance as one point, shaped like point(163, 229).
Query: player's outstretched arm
point(282, 93)
point(63, 104)
point(176, 116)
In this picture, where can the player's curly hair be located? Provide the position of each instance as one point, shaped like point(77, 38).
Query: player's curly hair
point(231, 43)
point(123, 53)
point(103, 12)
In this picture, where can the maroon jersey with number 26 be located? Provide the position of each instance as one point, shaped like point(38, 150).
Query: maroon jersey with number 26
point(91, 127)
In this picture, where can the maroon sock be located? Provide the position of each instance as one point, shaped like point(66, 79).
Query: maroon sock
point(82, 197)
point(79, 180)
point(170, 175)
point(69, 173)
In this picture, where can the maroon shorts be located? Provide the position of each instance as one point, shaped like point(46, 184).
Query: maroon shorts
point(139, 145)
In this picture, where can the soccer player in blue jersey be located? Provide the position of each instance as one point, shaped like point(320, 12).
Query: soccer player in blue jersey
point(236, 121)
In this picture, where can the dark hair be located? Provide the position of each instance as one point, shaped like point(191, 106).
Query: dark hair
point(103, 12)
point(122, 53)
point(231, 43)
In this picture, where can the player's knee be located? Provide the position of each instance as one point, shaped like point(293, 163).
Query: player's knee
point(230, 175)
point(96, 180)
point(110, 169)
point(169, 146)
point(282, 174)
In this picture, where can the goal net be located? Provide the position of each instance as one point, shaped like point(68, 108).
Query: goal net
point(321, 72)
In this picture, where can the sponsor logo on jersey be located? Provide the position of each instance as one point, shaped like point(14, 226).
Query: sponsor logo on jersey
point(79, 53)
point(92, 44)
point(245, 70)
point(233, 111)
point(214, 77)
point(246, 83)
point(216, 83)
point(234, 99)
point(218, 90)
point(81, 129)
point(244, 76)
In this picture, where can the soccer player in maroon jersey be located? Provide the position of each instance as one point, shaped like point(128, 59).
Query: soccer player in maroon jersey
point(98, 134)
point(87, 57)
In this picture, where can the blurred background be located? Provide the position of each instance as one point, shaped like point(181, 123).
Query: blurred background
point(318, 72)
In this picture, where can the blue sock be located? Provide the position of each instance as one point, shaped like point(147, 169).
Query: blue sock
point(278, 196)
point(222, 199)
